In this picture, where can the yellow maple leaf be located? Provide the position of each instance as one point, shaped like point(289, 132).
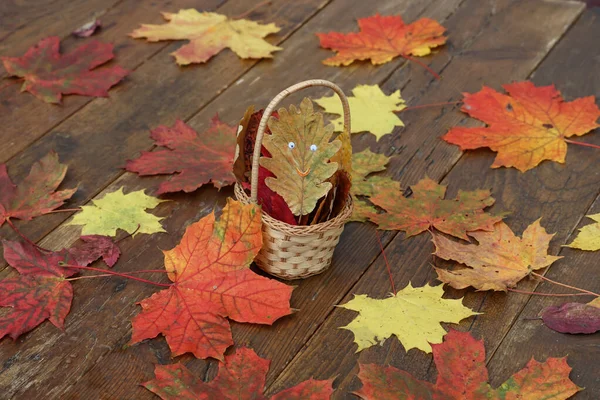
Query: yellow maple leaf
point(413, 315)
point(119, 211)
point(371, 110)
point(589, 236)
point(209, 33)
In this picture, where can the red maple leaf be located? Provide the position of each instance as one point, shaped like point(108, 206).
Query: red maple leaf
point(40, 292)
point(92, 247)
point(462, 374)
point(36, 195)
point(199, 159)
point(383, 38)
point(212, 281)
point(48, 74)
point(241, 377)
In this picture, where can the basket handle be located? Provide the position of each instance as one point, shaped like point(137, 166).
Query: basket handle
point(269, 110)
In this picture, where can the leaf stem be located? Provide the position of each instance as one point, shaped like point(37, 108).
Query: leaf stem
point(547, 294)
point(432, 72)
point(105, 275)
point(387, 264)
point(64, 210)
point(431, 105)
point(564, 285)
point(114, 273)
point(14, 228)
point(129, 234)
point(595, 146)
point(245, 14)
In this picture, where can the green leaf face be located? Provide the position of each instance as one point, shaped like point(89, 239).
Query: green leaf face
point(300, 149)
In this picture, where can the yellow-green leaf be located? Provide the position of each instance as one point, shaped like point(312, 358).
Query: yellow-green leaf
point(413, 315)
point(300, 149)
point(117, 210)
point(371, 110)
point(589, 236)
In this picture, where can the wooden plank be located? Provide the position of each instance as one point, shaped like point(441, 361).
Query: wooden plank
point(92, 141)
point(35, 118)
point(109, 372)
point(410, 259)
point(569, 67)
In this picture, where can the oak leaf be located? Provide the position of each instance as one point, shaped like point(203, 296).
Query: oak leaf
point(589, 236)
point(499, 261)
point(427, 209)
point(371, 110)
point(527, 126)
point(212, 281)
point(209, 33)
point(301, 147)
point(413, 315)
point(462, 374)
point(573, 317)
point(198, 159)
point(37, 194)
point(48, 74)
point(382, 38)
point(241, 377)
point(117, 210)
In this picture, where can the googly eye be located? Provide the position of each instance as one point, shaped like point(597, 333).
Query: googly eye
point(291, 145)
point(313, 147)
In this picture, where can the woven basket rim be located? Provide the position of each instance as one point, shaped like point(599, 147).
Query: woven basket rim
point(299, 230)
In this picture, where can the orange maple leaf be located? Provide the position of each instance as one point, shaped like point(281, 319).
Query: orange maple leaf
point(527, 127)
point(381, 39)
point(212, 281)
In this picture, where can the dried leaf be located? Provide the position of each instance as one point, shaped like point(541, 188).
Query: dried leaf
point(117, 210)
point(589, 236)
point(499, 261)
point(573, 317)
point(301, 150)
point(461, 375)
point(242, 377)
point(37, 194)
point(198, 159)
point(93, 247)
point(427, 208)
point(527, 127)
point(370, 108)
point(212, 281)
point(413, 315)
point(209, 33)
point(381, 39)
point(48, 74)
point(87, 29)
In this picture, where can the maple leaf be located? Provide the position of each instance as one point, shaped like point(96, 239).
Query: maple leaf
point(93, 247)
point(371, 110)
point(527, 127)
point(573, 317)
point(427, 208)
point(461, 374)
point(212, 281)
point(199, 159)
point(37, 194)
point(413, 315)
point(48, 74)
point(39, 293)
point(209, 33)
point(499, 261)
point(381, 39)
point(302, 149)
point(242, 377)
point(117, 210)
point(589, 236)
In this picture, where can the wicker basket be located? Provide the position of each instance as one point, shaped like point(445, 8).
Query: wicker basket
point(289, 251)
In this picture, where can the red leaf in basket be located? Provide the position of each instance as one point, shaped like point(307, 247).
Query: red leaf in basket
point(48, 74)
point(198, 159)
point(37, 194)
point(242, 377)
point(212, 281)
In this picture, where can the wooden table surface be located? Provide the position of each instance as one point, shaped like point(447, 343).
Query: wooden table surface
point(490, 42)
